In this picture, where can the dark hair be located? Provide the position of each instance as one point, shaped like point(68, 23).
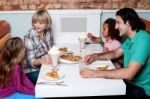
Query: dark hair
point(12, 54)
point(129, 14)
point(113, 33)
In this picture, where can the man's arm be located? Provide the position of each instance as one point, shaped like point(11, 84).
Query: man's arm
point(104, 56)
point(110, 55)
point(123, 73)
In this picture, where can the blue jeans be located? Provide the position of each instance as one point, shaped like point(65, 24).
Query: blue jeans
point(135, 92)
point(18, 95)
point(33, 76)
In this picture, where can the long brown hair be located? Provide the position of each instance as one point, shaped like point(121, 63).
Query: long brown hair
point(12, 54)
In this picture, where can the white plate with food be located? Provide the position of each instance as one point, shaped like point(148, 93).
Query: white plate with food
point(53, 75)
point(65, 50)
point(70, 59)
point(101, 67)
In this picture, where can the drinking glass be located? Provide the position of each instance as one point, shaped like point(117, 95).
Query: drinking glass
point(54, 58)
point(82, 39)
point(82, 63)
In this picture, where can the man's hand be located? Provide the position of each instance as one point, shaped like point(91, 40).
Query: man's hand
point(88, 73)
point(105, 49)
point(122, 73)
point(90, 58)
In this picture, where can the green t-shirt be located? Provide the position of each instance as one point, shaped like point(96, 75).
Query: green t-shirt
point(138, 50)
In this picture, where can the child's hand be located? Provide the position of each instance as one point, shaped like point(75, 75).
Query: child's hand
point(93, 38)
point(90, 36)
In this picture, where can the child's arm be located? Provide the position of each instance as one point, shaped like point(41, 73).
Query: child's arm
point(93, 38)
point(22, 83)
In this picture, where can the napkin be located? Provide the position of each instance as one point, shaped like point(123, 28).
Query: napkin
point(54, 50)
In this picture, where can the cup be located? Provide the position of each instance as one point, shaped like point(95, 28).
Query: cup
point(82, 63)
point(54, 58)
point(82, 43)
point(82, 40)
point(54, 54)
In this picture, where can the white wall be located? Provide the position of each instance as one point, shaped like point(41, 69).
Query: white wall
point(111, 13)
point(20, 21)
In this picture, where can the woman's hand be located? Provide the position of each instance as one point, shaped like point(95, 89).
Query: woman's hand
point(88, 73)
point(46, 59)
point(90, 58)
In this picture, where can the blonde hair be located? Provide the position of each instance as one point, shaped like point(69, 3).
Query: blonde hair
point(42, 16)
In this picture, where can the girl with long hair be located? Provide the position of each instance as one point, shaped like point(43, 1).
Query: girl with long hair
point(13, 82)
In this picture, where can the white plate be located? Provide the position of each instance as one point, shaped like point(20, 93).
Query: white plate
point(68, 62)
point(99, 65)
point(61, 76)
point(68, 51)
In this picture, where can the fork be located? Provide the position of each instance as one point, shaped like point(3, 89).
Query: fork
point(53, 83)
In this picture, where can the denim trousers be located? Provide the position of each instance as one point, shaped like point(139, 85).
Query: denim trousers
point(18, 95)
point(135, 92)
point(33, 76)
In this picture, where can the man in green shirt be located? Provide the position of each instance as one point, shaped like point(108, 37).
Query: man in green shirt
point(136, 51)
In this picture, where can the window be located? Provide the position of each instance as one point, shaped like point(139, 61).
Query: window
point(74, 24)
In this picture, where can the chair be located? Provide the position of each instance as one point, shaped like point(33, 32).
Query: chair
point(4, 34)
point(147, 23)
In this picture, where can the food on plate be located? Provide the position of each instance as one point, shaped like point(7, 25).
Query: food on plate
point(53, 74)
point(71, 57)
point(63, 49)
point(103, 68)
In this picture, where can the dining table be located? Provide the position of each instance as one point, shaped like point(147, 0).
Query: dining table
point(71, 84)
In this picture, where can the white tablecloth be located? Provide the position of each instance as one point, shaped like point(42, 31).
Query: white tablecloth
point(78, 86)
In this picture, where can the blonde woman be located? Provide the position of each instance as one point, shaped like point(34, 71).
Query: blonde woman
point(38, 41)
